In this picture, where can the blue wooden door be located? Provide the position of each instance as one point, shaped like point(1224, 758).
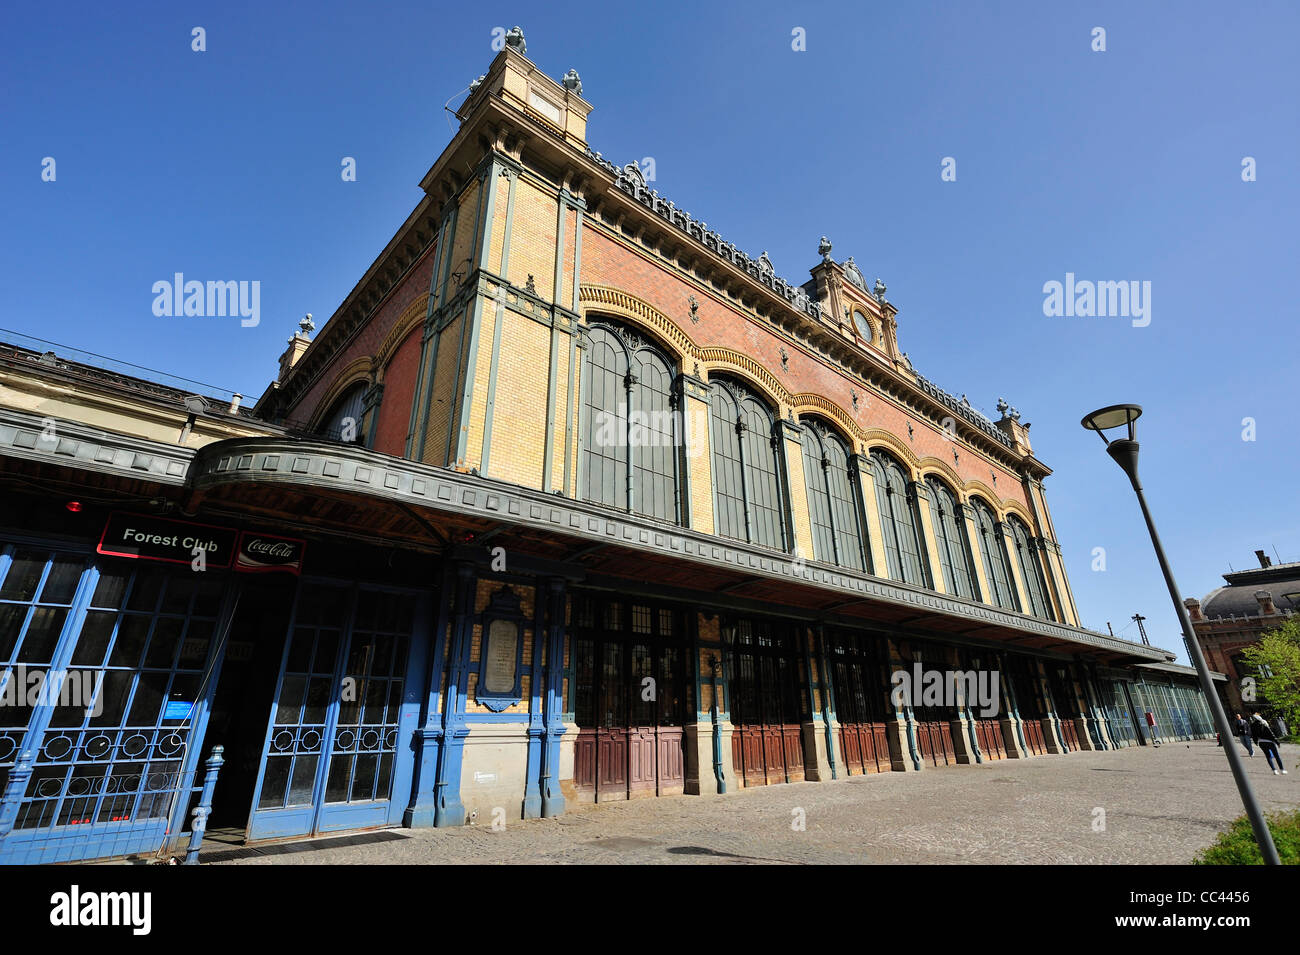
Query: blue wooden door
point(333, 757)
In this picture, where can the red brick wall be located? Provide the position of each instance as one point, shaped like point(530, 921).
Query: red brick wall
point(606, 262)
point(399, 391)
point(370, 338)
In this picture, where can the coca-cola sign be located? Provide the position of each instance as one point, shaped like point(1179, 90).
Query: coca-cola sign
point(261, 553)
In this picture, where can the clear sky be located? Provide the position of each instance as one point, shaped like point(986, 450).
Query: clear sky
point(1122, 165)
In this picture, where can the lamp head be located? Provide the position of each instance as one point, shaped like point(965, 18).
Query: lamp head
point(1112, 417)
point(1123, 450)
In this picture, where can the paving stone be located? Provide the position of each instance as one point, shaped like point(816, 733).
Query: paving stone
point(1161, 806)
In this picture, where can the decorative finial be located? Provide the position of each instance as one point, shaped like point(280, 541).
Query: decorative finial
point(764, 263)
point(515, 40)
point(1002, 406)
point(879, 291)
point(824, 249)
point(307, 325)
point(529, 287)
point(573, 82)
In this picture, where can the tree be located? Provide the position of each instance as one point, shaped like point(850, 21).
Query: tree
point(1275, 660)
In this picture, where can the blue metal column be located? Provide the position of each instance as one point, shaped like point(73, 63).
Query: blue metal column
point(448, 808)
point(552, 797)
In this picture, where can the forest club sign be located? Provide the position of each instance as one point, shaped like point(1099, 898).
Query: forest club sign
point(202, 546)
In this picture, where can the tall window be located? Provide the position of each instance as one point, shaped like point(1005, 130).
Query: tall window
point(899, 521)
point(343, 423)
point(993, 553)
point(954, 545)
point(1031, 568)
point(632, 432)
point(832, 498)
point(749, 500)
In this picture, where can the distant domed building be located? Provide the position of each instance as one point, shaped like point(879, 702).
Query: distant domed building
point(1233, 617)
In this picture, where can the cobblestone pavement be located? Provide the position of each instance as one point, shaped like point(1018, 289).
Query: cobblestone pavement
point(1161, 806)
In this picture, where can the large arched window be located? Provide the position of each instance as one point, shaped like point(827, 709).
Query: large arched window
point(899, 522)
point(343, 423)
point(950, 537)
point(993, 553)
point(832, 498)
point(1031, 568)
point(748, 486)
point(631, 436)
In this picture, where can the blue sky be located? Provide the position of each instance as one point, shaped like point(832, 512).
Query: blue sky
point(1116, 165)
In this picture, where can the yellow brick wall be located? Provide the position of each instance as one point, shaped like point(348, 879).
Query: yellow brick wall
point(561, 397)
point(799, 501)
point(482, 375)
point(698, 462)
point(443, 397)
point(519, 414)
point(497, 237)
point(533, 240)
point(463, 246)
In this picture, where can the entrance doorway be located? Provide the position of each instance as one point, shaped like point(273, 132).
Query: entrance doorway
point(629, 699)
point(858, 674)
point(769, 702)
point(331, 757)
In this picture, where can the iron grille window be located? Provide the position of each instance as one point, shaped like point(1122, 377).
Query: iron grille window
point(1031, 568)
point(748, 487)
point(954, 545)
point(900, 525)
point(632, 438)
point(832, 499)
point(993, 553)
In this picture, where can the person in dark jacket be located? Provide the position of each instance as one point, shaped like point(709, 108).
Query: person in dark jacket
point(1243, 731)
point(1267, 741)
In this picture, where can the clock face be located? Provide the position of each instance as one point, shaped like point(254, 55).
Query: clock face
point(863, 326)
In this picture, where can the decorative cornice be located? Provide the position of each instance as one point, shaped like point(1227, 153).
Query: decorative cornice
point(320, 466)
point(23, 435)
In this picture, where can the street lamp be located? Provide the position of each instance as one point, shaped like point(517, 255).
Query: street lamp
point(1125, 453)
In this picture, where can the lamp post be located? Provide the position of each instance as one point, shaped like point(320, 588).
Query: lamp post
point(1125, 453)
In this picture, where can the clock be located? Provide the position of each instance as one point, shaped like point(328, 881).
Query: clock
point(863, 326)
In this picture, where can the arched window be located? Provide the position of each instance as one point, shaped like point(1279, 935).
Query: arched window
point(343, 423)
point(1031, 568)
point(950, 536)
point(832, 498)
point(899, 521)
point(749, 498)
point(993, 553)
point(631, 437)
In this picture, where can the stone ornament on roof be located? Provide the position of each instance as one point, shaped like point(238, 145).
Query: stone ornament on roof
point(853, 274)
point(631, 181)
point(307, 325)
point(573, 82)
point(824, 249)
point(879, 291)
point(765, 264)
point(515, 40)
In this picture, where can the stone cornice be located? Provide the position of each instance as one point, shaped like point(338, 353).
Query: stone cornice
point(23, 435)
point(320, 466)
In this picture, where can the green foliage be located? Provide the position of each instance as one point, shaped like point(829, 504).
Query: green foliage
point(1275, 661)
point(1236, 845)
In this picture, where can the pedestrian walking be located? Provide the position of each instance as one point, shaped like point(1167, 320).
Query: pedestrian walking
point(1243, 732)
point(1267, 741)
point(1151, 726)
